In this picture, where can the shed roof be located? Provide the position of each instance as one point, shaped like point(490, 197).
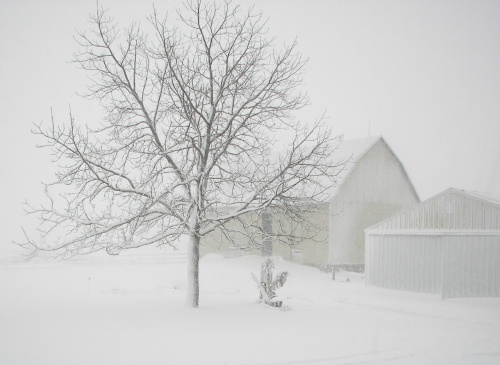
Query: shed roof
point(488, 197)
point(451, 210)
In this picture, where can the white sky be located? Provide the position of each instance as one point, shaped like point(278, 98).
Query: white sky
point(424, 74)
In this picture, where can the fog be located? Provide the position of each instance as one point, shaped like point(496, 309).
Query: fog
point(425, 75)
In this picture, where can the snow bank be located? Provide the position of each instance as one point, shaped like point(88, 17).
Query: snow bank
point(131, 312)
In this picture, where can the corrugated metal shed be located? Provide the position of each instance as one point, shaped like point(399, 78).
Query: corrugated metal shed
point(448, 244)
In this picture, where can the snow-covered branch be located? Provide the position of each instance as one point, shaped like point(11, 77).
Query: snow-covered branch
point(189, 141)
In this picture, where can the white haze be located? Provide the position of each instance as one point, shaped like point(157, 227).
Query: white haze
point(424, 75)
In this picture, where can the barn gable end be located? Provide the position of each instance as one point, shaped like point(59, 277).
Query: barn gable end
point(372, 186)
point(376, 186)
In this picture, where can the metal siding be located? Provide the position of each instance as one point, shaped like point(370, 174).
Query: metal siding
point(484, 267)
point(455, 266)
point(403, 262)
point(471, 266)
point(495, 281)
point(450, 211)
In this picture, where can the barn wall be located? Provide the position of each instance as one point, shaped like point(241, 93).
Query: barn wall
point(313, 250)
point(404, 262)
point(216, 241)
point(378, 177)
point(348, 221)
point(471, 266)
point(455, 265)
point(376, 188)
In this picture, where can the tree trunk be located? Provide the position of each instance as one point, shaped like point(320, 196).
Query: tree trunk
point(193, 293)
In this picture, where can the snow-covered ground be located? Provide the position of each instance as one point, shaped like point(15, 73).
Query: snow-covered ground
point(131, 311)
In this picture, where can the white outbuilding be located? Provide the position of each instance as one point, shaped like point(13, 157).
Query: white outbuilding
point(448, 244)
point(373, 186)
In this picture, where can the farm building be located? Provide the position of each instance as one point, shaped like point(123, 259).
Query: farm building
point(448, 244)
point(373, 186)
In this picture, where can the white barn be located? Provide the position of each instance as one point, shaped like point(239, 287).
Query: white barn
point(448, 244)
point(373, 186)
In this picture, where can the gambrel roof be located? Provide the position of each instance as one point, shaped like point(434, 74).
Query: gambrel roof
point(351, 152)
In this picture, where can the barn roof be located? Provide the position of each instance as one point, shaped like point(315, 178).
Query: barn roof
point(354, 148)
point(349, 152)
point(451, 210)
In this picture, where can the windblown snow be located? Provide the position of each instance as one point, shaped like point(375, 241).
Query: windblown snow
point(131, 310)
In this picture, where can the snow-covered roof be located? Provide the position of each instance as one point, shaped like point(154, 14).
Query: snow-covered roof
point(346, 153)
point(351, 151)
point(355, 148)
point(485, 196)
point(452, 209)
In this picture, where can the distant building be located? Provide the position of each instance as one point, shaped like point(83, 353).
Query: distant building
point(373, 186)
point(448, 244)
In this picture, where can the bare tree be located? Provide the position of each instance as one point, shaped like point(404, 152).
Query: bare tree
point(193, 116)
